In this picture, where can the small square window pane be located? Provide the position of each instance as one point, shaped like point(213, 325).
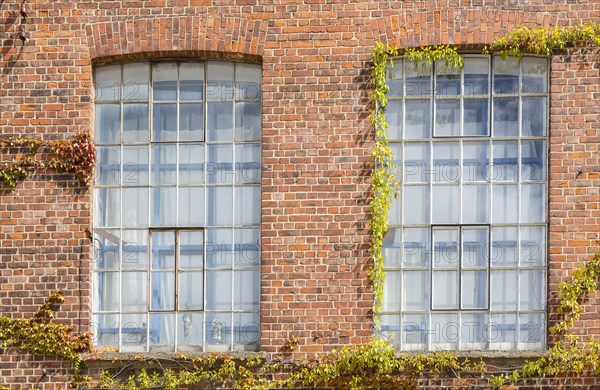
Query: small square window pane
point(533, 122)
point(535, 75)
point(445, 331)
point(532, 331)
point(164, 81)
point(504, 290)
point(533, 160)
point(447, 118)
point(394, 79)
point(446, 162)
point(447, 80)
point(135, 165)
point(219, 248)
point(106, 330)
point(135, 207)
point(417, 121)
point(503, 206)
point(135, 78)
point(106, 291)
point(248, 116)
point(475, 205)
point(417, 78)
point(190, 327)
point(416, 204)
point(220, 81)
point(191, 164)
point(506, 117)
point(248, 81)
point(474, 290)
point(247, 206)
point(191, 122)
point(163, 291)
point(475, 117)
point(191, 249)
point(533, 203)
point(133, 292)
point(108, 83)
point(107, 207)
point(474, 332)
point(218, 290)
point(108, 123)
point(504, 247)
point(446, 248)
point(476, 72)
point(162, 332)
point(246, 290)
point(191, 293)
point(391, 292)
point(135, 249)
point(108, 167)
point(446, 204)
point(134, 333)
point(415, 290)
point(217, 332)
point(191, 206)
point(506, 75)
point(416, 162)
point(247, 163)
point(503, 331)
point(414, 332)
point(219, 207)
point(505, 165)
point(391, 248)
point(163, 250)
point(475, 247)
point(416, 247)
point(445, 290)
point(533, 246)
point(164, 122)
point(191, 81)
point(247, 248)
point(532, 292)
point(393, 115)
point(164, 164)
point(220, 121)
point(394, 216)
point(475, 161)
point(106, 249)
point(219, 169)
point(163, 206)
point(389, 329)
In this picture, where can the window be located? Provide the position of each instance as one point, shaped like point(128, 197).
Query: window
point(465, 254)
point(177, 206)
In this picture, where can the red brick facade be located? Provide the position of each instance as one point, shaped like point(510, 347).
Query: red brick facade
point(316, 145)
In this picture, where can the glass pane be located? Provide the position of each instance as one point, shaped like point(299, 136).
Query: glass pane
point(506, 117)
point(247, 206)
point(247, 121)
point(135, 249)
point(475, 161)
point(445, 291)
point(191, 206)
point(533, 160)
point(108, 83)
point(163, 291)
point(393, 115)
point(163, 206)
point(108, 123)
point(135, 207)
point(474, 290)
point(476, 72)
point(189, 332)
point(246, 328)
point(220, 210)
point(108, 166)
point(133, 292)
point(474, 248)
point(446, 248)
point(447, 80)
point(135, 165)
point(503, 206)
point(164, 164)
point(163, 250)
point(106, 291)
point(391, 291)
point(164, 81)
point(389, 329)
point(191, 253)
point(106, 330)
point(106, 249)
point(220, 81)
point(247, 165)
point(394, 216)
point(474, 331)
point(503, 331)
point(534, 117)
point(134, 330)
point(415, 290)
point(504, 247)
point(416, 204)
point(504, 290)
point(533, 203)
point(414, 332)
point(532, 292)
point(135, 78)
point(191, 292)
point(417, 119)
point(445, 331)
point(219, 247)
point(506, 75)
point(218, 332)
point(475, 117)
point(447, 118)
point(248, 81)
point(416, 247)
point(191, 164)
point(394, 79)
point(535, 75)
point(532, 331)
point(191, 81)
point(418, 79)
point(475, 203)
point(220, 121)
point(162, 332)
point(533, 246)
point(505, 166)
point(416, 162)
point(218, 290)
point(246, 290)
point(107, 209)
point(191, 122)
point(446, 204)
point(446, 162)
point(391, 248)
point(247, 248)
point(164, 122)
point(219, 169)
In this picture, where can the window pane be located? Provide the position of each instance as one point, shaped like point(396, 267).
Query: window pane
point(246, 289)
point(191, 253)
point(415, 290)
point(475, 203)
point(535, 75)
point(533, 160)
point(106, 249)
point(504, 247)
point(219, 169)
point(106, 330)
point(503, 331)
point(108, 123)
point(190, 327)
point(247, 206)
point(135, 165)
point(246, 331)
point(474, 290)
point(533, 246)
point(474, 247)
point(162, 332)
point(506, 75)
point(219, 248)
point(191, 122)
point(391, 248)
point(414, 332)
point(218, 332)
point(134, 332)
point(532, 331)
point(219, 207)
point(248, 81)
point(220, 81)
point(533, 203)
point(389, 329)
point(108, 166)
point(164, 122)
point(503, 206)
point(163, 250)
point(191, 164)
point(391, 292)
point(135, 78)
point(505, 167)
point(447, 118)
point(107, 83)
point(163, 291)
point(416, 247)
point(135, 249)
point(220, 121)
point(247, 121)
point(247, 165)
point(191, 81)
point(418, 78)
point(218, 290)
point(504, 290)
point(133, 292)
point(416, 162)
point(164, 81)
point(135, 207)
point(446, 204)
point(475, 161)
point(417, 119)
point(445, 331)
point(446, 248)
point(475, 117)
point(247, 248)
point(163, 206)
point(447, 80)
point(191, 206)
point(506, 117)
point(534, 117)
point(445, 290)
point(106, 291)
point(191, 290)
point(532, 292)
point(476, 72)
point(164, 164)
point(393, 115)
point(107, 210)
point(416, 204)
point(474, 331)
point(394, 79)
point(446, 162)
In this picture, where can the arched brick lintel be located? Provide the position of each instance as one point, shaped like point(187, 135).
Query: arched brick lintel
point(465, 28)
point(193, 35)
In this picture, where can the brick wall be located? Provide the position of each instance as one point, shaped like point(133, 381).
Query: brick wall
point(316, 143)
